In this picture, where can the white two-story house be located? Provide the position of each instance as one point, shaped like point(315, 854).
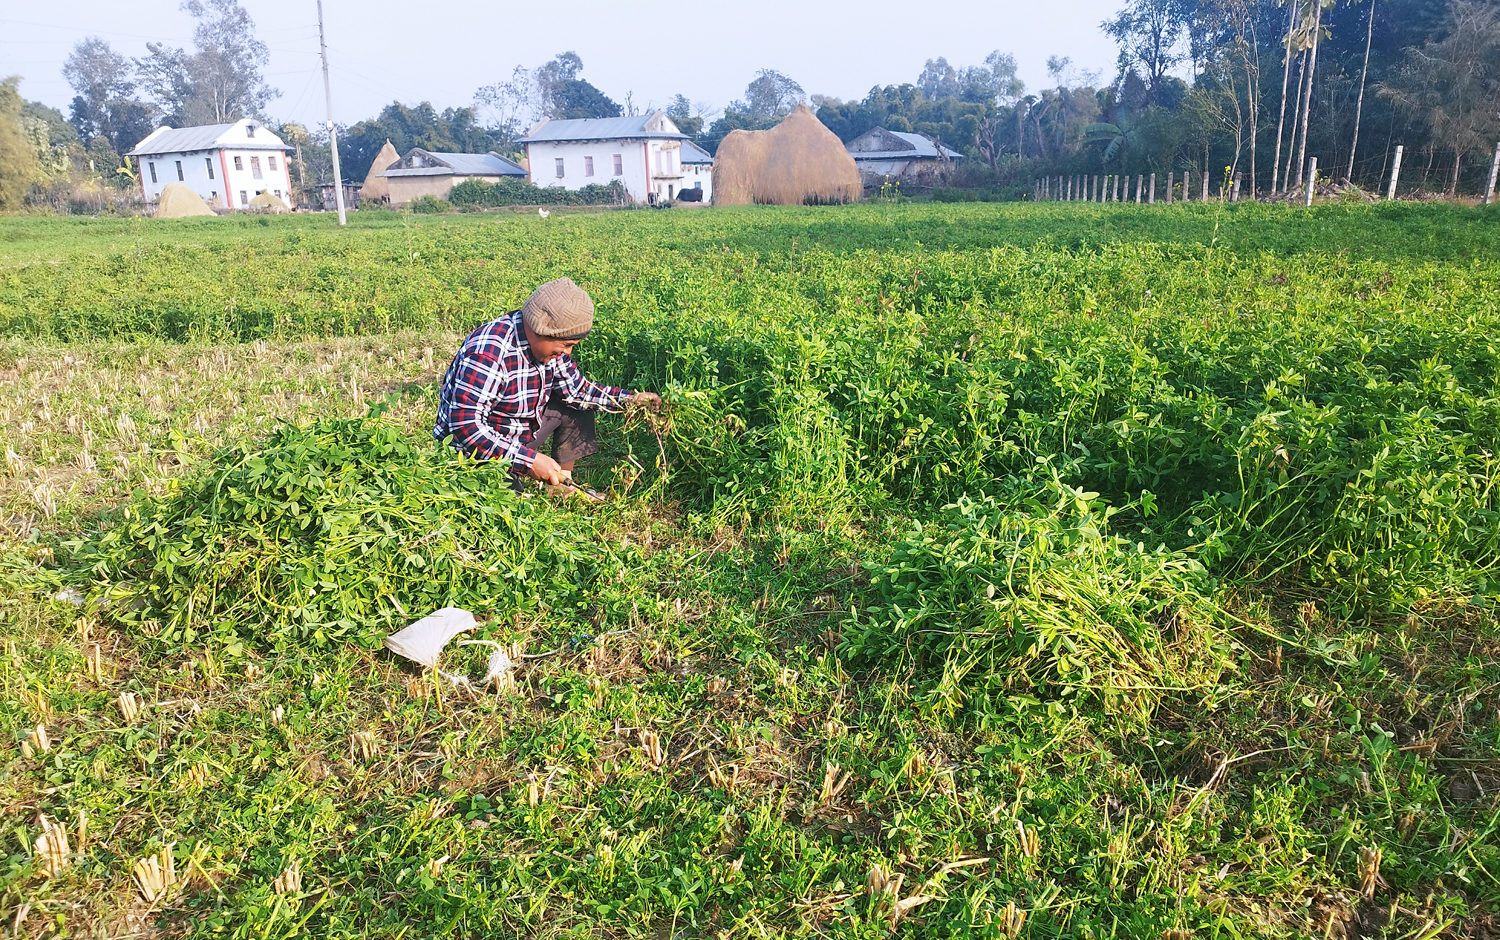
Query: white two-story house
point(227, 164)
point(644, 153)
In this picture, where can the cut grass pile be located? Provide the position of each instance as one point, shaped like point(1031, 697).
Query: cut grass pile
point(992, 588)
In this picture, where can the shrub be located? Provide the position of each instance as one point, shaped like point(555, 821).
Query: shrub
point(431, 204)
point(341, 530)
point(520, 192)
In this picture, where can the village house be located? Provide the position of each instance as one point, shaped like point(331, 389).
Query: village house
point(881, 153)
point(697, 170)
point(646, 154)
point(434, 173)
point(226, 164)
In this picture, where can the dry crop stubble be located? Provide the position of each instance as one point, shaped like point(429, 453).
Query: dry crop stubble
point(1238, 797)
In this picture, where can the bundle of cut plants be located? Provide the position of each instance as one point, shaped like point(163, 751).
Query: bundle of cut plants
point(1031, 598)
point(339, 530)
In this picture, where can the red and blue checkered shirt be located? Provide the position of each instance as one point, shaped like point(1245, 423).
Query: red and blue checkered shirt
point(493, 395)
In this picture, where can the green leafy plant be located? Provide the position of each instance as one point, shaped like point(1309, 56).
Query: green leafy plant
point(339, 530)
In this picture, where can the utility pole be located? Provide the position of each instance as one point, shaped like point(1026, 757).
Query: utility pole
point(333, 135)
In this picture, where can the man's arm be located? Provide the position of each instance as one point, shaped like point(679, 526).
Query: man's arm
point(581, 392)
point(479, 379)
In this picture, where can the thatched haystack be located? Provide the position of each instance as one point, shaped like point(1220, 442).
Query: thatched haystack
point(267, 201)
point(797, 162)
point(179, 202)
point(377, 188)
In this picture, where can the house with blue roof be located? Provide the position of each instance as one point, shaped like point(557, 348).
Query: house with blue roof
point(434, 173)
point(646, 154)
point(226, 164)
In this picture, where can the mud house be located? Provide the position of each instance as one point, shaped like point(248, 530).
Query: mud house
point(226, 164)
point(434, 173)
point(880, 153)
point(646, 154)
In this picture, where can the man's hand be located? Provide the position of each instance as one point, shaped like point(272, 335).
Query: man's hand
point(549, 471)
point(650, 399)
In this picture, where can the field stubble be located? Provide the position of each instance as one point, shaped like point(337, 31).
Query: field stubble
point(1129, 590)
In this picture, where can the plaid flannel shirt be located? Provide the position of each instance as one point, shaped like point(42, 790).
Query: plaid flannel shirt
point(493, 394)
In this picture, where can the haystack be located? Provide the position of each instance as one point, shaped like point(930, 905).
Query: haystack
point(267, 201)
point(797, 162)
point(377, 188)
point(179, 202)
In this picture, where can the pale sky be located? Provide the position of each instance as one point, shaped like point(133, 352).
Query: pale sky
point(441, 52)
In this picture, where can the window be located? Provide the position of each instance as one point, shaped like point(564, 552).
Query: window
point(153, 171)
point(213, 194)
point(588, 166)
point(243, 200)
point(249, 130)
point(619, 166)
point(559, 167)
point(239, 164)
point(658, 162)
point(255, 168)
point(209, 162)
point(698, 186)
point(271, 162)
point(179, 171)
point(278, 194)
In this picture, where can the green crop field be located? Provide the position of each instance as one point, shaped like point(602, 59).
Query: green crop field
point(994, 571)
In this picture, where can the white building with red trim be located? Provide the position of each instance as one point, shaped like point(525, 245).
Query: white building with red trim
point(646, 153)
point(227, 164)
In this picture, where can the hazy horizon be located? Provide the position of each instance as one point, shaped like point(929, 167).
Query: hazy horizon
point(443, 56)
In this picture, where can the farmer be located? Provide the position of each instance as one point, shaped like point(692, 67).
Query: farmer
point(514, 385)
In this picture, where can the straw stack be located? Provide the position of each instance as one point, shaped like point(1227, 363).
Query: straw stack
point(797, 162)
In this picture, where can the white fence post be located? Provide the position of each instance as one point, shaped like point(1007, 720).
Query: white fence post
point(1390, 192)
point(1151, 197)
point(1489, 191)
point(1312, 180)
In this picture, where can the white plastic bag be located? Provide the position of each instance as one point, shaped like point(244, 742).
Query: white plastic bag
point(423, 641)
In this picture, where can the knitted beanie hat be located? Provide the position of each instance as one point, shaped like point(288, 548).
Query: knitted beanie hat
point(559, 309)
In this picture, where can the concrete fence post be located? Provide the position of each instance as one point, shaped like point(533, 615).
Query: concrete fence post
point(1312, 180)
point(1390, 192)
point(1205, 188)
point(1489, 190)
point(1235, 193)
point(1170, 184)
point(1151, 196)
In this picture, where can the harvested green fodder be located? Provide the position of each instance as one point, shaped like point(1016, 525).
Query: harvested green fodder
point(340, 530)
point(1032, 599)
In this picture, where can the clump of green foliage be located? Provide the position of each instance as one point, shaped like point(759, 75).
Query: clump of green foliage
point(513, 191)
point(335, 531)
point(430, 205)
point(1033, 596)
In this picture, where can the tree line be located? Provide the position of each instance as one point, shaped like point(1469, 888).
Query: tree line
point(1248, 87)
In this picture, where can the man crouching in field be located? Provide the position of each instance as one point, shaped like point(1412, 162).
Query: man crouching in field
point(514, 384)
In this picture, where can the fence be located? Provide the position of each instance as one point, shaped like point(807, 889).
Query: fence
point(1118, 188)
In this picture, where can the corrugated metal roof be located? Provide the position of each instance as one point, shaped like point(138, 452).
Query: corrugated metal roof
point(205, 137)
point(692, 153)
point(460, 164)
point(620, 128)
point(920, 147)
